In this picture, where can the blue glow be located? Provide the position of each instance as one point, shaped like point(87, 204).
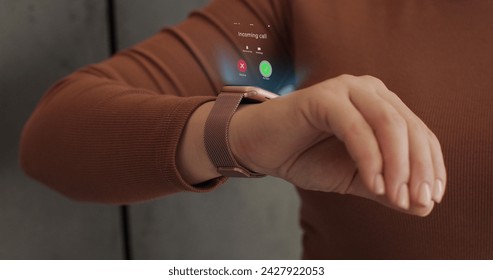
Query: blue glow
point(287, 89)
point(226, 71)
point(281, 82)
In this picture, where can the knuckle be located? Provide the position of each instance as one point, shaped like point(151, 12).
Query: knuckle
point(370, 160)
point(376, 82)
point(367, 156)
point(434, 138)
point(415, 126)
point(346, 78)
point(392, 119)
point(350, 130)
point(435, 142)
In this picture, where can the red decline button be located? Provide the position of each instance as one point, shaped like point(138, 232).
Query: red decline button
point(242, 66)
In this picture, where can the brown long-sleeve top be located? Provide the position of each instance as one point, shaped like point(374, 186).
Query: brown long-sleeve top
point(109, 132)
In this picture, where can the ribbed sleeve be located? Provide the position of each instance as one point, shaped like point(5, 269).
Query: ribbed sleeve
point(109, 132)
point(114, 149)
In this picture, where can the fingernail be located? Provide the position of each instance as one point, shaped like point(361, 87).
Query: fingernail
point(438, 191)
point(379, 185)
point(403, 197)
point(424, 197)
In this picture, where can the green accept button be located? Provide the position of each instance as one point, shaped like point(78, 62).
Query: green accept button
point(265, 69)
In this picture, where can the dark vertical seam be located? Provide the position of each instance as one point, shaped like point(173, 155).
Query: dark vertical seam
point(123, 210)
point(112, 36)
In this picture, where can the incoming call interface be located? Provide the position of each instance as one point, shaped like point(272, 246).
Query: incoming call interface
point(255, 64)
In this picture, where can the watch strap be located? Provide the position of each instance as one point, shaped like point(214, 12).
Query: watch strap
point(216, 136)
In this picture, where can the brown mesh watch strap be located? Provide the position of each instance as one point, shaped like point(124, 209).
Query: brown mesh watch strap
point(216, 136)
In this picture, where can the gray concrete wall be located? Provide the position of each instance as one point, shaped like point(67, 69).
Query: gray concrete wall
point(40, 42)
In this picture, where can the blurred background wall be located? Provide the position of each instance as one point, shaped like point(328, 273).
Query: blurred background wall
point(40, 42)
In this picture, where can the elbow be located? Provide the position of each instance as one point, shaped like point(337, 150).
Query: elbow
point(42, 155)
point(42, 158)
point(42, 170)
point(35, 160)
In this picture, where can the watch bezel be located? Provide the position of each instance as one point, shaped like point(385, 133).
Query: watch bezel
point(251, 92)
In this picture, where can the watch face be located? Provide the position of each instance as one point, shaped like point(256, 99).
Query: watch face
point(257, 59)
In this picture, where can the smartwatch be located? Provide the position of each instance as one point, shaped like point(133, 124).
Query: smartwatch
point(216, 129)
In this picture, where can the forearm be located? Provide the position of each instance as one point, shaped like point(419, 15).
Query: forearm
point(100, 141)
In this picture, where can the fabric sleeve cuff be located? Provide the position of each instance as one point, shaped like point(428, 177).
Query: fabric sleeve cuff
point(175, 123)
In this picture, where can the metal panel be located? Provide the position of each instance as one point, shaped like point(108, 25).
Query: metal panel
point(41, 41)
point(244, 219)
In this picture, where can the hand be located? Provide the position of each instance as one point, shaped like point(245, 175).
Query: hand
point(349, 135)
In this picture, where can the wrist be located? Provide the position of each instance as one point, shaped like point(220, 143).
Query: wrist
point(240, 143)
point(218, 126)
point(260, 133)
